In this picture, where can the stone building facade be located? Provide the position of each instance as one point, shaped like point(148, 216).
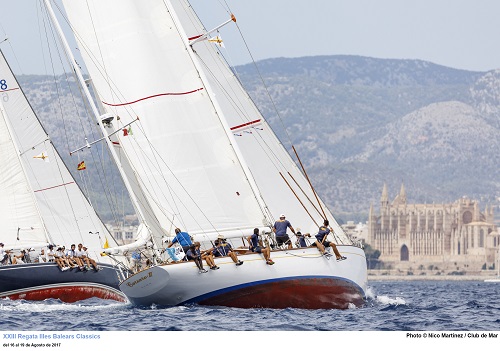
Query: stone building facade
point(451, 237)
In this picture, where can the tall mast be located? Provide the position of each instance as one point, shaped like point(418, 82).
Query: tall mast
point(95, 110)
point(218, 110)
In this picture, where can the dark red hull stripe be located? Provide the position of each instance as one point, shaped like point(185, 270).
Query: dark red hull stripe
point(152, 96)
point(245, 124)
point(68, 294)
point(317, 292)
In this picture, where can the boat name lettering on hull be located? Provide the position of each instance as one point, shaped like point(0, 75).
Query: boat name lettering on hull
point(149, 275)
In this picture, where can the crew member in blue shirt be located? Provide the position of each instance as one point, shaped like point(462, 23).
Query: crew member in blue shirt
point(194, 254)
point(253, 241)
point(280, 228)
point(222, 249)
point(321, 241)
point(183, 239)
point(301, 240)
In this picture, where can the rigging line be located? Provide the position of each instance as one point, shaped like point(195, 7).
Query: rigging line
point(268, 150)
point(307, 177)
point(87, 199)
point(303, 192)
point(293, 191)
point(107, 191)
point(60, 107)
point(103, 179)
point(291, 254)
point(100, 51)
point(97, 65)
point(217, 109)
point(47, 31)
point(158, 155)
point(265, 86)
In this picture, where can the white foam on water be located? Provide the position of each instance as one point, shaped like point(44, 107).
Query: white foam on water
point(54, 306)
point(382, 299)
point(386, 300)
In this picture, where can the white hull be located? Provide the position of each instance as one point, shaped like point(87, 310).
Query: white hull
point(300, 278)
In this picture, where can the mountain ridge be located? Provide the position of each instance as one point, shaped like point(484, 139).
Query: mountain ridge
point(357, 123)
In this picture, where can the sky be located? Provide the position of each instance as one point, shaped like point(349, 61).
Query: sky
point(460, 34)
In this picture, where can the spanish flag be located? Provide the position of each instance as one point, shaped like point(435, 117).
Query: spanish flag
point(81, 166)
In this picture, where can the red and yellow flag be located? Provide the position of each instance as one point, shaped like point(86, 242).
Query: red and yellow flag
point(81, 166)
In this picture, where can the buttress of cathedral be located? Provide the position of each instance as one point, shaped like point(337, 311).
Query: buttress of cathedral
point(449, 236)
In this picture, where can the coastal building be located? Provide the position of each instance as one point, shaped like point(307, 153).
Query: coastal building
point(357, 232)
point(123, 233)
point(450, 237)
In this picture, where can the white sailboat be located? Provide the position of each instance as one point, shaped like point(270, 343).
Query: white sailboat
point(41, 204)
point(182, 111)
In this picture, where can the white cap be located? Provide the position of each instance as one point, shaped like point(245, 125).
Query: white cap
point(282, 215)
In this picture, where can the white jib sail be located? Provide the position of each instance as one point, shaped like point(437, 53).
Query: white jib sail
point(35, 193)
point(264, 153)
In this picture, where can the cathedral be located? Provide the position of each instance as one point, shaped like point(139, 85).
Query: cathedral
point(450, 237)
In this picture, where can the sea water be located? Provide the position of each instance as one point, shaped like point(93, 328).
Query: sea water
point(390, 306)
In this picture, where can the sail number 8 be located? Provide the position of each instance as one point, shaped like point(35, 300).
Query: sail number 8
point(3, 84)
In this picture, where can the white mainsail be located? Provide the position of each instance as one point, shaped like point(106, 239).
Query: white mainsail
point(185, 161)
point(186, 151)
point(38, 195)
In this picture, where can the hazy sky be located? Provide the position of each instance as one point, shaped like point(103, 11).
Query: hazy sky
point(456, 33)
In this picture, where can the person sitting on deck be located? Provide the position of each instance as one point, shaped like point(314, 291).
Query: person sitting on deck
point(321, 241)
point(280, 228)
point(301, 239)
point(183, 239)
point(223, 249)
point(253, 241)
point(73, 259)
point(19, 259)
point(4, 255)
point(88, 260)
point(208, 256)
point(41, 257)
point(194, 254)
point(51, 255)
point(61, 260)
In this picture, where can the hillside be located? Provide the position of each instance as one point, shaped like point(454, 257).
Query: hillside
point(357, 122)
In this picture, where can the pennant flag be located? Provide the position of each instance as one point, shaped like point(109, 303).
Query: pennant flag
point(106, 246)
point(125, 132)
point(81, 166)
point(217, 40)
point(43, 156)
